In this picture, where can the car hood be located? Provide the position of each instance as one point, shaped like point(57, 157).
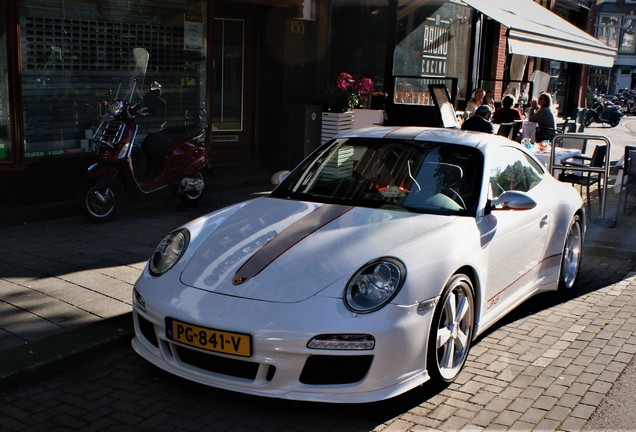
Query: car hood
point(286, 251)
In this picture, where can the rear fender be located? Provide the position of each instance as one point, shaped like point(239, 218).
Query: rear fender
point(196, 157)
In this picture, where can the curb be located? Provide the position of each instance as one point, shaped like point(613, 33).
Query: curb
point(30, 361)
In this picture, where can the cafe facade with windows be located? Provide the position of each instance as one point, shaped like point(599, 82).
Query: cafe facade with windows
point(616, 27)
point(253, 72)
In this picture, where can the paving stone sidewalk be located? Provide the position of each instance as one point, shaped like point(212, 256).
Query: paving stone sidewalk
point(65, 289)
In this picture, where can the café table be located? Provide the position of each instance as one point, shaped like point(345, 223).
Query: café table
point(560, 154)
point(528, 130)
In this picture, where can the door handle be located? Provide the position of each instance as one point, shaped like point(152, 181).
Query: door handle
point(545, 220)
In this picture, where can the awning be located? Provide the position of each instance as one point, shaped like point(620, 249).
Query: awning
point(535, 31)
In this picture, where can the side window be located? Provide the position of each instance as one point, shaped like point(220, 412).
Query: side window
point(511, 169)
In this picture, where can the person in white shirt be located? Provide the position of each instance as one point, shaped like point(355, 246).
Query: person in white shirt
point(474, 102)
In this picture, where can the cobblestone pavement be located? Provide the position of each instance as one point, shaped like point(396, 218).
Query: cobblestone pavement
point(66, 361)
point(545, 367)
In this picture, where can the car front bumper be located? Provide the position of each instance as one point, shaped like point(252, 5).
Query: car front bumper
point(280, 363)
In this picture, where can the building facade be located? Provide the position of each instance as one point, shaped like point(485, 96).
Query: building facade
point(253, 72)
point(616, 27)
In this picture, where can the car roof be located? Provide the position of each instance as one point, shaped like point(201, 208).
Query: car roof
point(477, 140)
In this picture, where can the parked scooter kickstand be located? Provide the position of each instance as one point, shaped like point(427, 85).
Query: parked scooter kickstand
point(170, 161)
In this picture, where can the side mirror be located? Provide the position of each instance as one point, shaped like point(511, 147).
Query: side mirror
point(278, 177)
point(513, 200)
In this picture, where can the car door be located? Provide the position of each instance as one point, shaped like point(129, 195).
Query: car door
point(518, 237)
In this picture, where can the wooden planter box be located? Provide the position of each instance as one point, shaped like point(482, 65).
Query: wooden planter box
point(334, 124)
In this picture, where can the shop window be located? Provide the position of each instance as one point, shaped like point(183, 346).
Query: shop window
point(5, 130)
point(433, 46)
point(628, 36)
point(359, 40)
point(608, 29)
point(75, 54)
point(228, 75)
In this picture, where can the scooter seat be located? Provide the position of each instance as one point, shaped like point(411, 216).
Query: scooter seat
point(159, 142)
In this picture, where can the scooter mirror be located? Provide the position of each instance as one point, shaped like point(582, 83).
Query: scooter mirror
point(155, 88)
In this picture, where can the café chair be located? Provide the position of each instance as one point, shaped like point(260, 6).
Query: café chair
point(583, 176)
point(545, 134)
point(505, 129)
point(628, 183)
point(510, 130)
point(515, 133)
point(570, 141)
point(565, 126)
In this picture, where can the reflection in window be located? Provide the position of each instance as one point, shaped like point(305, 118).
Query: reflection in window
point(513, 170)
point(431, 42)
point(608, 29)
point(418, 176)
point(628, 41)
point(5, 139)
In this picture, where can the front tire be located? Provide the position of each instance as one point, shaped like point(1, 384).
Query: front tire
point(588, 120)
point(452, 330)
point(98, 203)
point(615, 122)
point(191, 189)
point(571, 256)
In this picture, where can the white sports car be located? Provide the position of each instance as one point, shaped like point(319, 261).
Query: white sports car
point(367, 271)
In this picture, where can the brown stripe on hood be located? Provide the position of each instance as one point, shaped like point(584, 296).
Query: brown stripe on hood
point(288, 238)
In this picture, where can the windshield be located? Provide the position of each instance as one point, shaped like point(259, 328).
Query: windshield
point(422, 177)
point(131, 81)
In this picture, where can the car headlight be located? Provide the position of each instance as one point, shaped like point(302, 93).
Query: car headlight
point(168, 252)
point(117, 107)
point(374, 285)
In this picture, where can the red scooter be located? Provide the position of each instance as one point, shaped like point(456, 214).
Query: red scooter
point(168, 162)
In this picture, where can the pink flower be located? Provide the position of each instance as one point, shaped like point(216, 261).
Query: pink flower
point(345, 81)
point(365, 85)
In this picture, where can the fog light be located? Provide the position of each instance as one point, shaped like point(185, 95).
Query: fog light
point(139, 299)
point(342, 342)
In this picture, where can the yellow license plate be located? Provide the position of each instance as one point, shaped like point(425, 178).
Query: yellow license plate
point(209, 339)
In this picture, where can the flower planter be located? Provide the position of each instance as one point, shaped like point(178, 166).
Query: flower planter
point(334, 124)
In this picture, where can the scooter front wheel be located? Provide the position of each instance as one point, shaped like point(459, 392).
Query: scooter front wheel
point(191, 188)
point(588, 120)
point(615, 122)
point(98, 203)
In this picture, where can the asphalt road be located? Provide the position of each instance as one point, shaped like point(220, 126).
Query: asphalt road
point(616, 412)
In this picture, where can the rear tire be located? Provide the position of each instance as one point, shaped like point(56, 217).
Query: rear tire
point(98, 203)
point(191, 189)
point(451, 330)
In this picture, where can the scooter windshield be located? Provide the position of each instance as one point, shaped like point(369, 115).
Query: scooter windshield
point(133, 81)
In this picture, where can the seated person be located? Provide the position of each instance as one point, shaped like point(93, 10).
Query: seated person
point(489, 100)
point(541, 113)
point(506, 114)
point(480, 122)
point(474, 102)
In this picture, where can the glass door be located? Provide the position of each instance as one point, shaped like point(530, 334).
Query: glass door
point(232, 103)
point(227, 82)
